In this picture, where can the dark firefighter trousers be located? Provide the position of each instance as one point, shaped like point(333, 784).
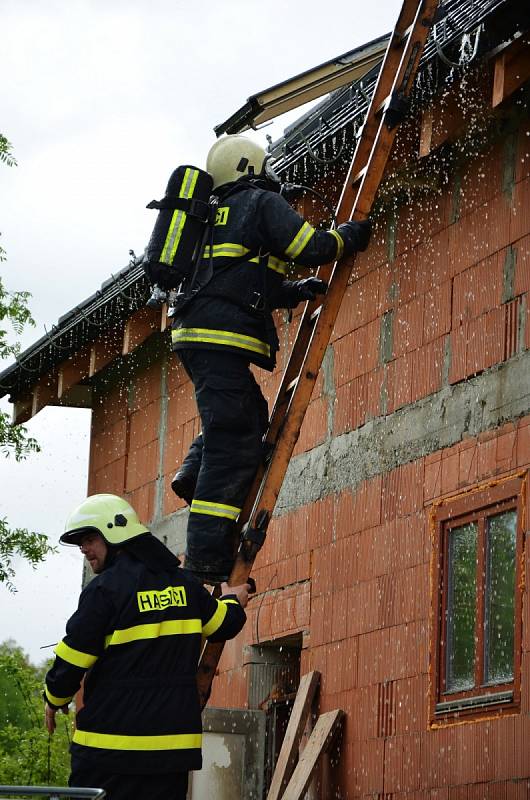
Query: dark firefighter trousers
point(156, 786)
point(224, 458)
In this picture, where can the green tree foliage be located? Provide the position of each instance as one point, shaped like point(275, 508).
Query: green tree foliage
point(14, 441)
point(28, 755)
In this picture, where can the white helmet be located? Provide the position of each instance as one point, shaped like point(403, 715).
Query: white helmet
point(107, 514)
point(234, 156)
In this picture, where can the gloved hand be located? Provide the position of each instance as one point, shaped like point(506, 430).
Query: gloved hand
point(356, 235)
point(308, 288)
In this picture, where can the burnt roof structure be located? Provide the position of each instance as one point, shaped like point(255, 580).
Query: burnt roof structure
point(465, 32)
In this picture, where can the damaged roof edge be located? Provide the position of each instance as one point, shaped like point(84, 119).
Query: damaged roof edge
point(304, 87)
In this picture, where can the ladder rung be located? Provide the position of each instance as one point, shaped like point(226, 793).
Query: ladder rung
point(382, 107)
point(292, 386)
point(360, 175)
point(316, 313)
point(401, 37)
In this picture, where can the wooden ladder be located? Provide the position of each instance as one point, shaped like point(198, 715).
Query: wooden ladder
point(387, 109)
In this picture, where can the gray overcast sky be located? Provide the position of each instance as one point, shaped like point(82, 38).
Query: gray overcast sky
point(101, 100)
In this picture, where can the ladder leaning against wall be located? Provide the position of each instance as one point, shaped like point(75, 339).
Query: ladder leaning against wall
point(387, 109)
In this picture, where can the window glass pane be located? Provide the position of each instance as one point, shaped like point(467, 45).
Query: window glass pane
point(461, 607)
point(500, 597)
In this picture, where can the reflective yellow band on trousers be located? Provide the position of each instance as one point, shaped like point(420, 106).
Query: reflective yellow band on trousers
point(214, 509)
point(340, 244)
point(56, 701)
point(300, 240)
point(179, 217)
point(210, 336)
point(111, 741)
point(75, 657)
point(170, 627)
point(215, 622)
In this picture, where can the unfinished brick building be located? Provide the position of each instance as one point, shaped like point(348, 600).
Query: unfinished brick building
point(395, 564)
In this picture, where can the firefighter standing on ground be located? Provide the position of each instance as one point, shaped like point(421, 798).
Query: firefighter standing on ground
point(227, 325)
point(138, 631)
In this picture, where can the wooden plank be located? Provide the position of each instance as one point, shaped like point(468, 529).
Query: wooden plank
point(140, 327)
point(512, 69)
point(105, 350)
point(72, 371)
point(319, 741)
point(289, 750)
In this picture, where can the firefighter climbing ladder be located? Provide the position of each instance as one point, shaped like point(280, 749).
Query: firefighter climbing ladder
point(387, 109)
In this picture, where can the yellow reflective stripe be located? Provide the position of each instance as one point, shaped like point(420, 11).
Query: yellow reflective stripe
point(210, 336)
point(233, 602)
point(227, 249)
point(214, 509)
point(277, 265)
point(300, 240)
point(112, 741)
point(216, 620)
point(179, 217)
point(170, 627)
point(56, 701)
point(340, 244)
point(75, 657)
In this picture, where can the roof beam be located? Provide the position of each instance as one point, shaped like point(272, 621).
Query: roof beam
point(72, 371)
point(139, 327)
point(512, 69)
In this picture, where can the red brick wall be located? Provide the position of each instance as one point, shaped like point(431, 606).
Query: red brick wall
point(351, 571)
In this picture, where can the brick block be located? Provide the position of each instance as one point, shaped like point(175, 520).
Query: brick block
point(357, 401)
point(410, 694)
point(366, 505)
point(406, 275)
point(359, 304)
point(408, 327)
point(479, 234)
point(435, 261)
point(523, 442)
point(519, 223)
point(320, 522)
point(427, 369)
point(109, 407)
point(437, 312)
point(314, 427)
point(181, 406)
point(522, 266)
point(111, 478)
point(368, 769)
point(522, 168)
point(339, 615)
point(363, 612)
point(147, 387)
point(356, 353)
point(144, 425)
point(399, 382)
point(143, 501)
point(142, 466)
point(108, 444)
point(478, 289)
point(506, 453)
point(481, 178)
point(402, 491)
point(467, 466)
point(432, 486)
point(403, 764)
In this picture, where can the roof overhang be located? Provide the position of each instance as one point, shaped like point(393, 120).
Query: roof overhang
point(309, 85)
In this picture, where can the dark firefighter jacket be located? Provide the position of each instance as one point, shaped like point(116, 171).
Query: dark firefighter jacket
point(139, 633)
point(242, 274)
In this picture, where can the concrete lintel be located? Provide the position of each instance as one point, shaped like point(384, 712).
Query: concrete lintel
point(500, 394)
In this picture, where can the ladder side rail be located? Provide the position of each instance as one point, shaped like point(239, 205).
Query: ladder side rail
point(322, 330)
point(389, 67)
point(290, 419)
